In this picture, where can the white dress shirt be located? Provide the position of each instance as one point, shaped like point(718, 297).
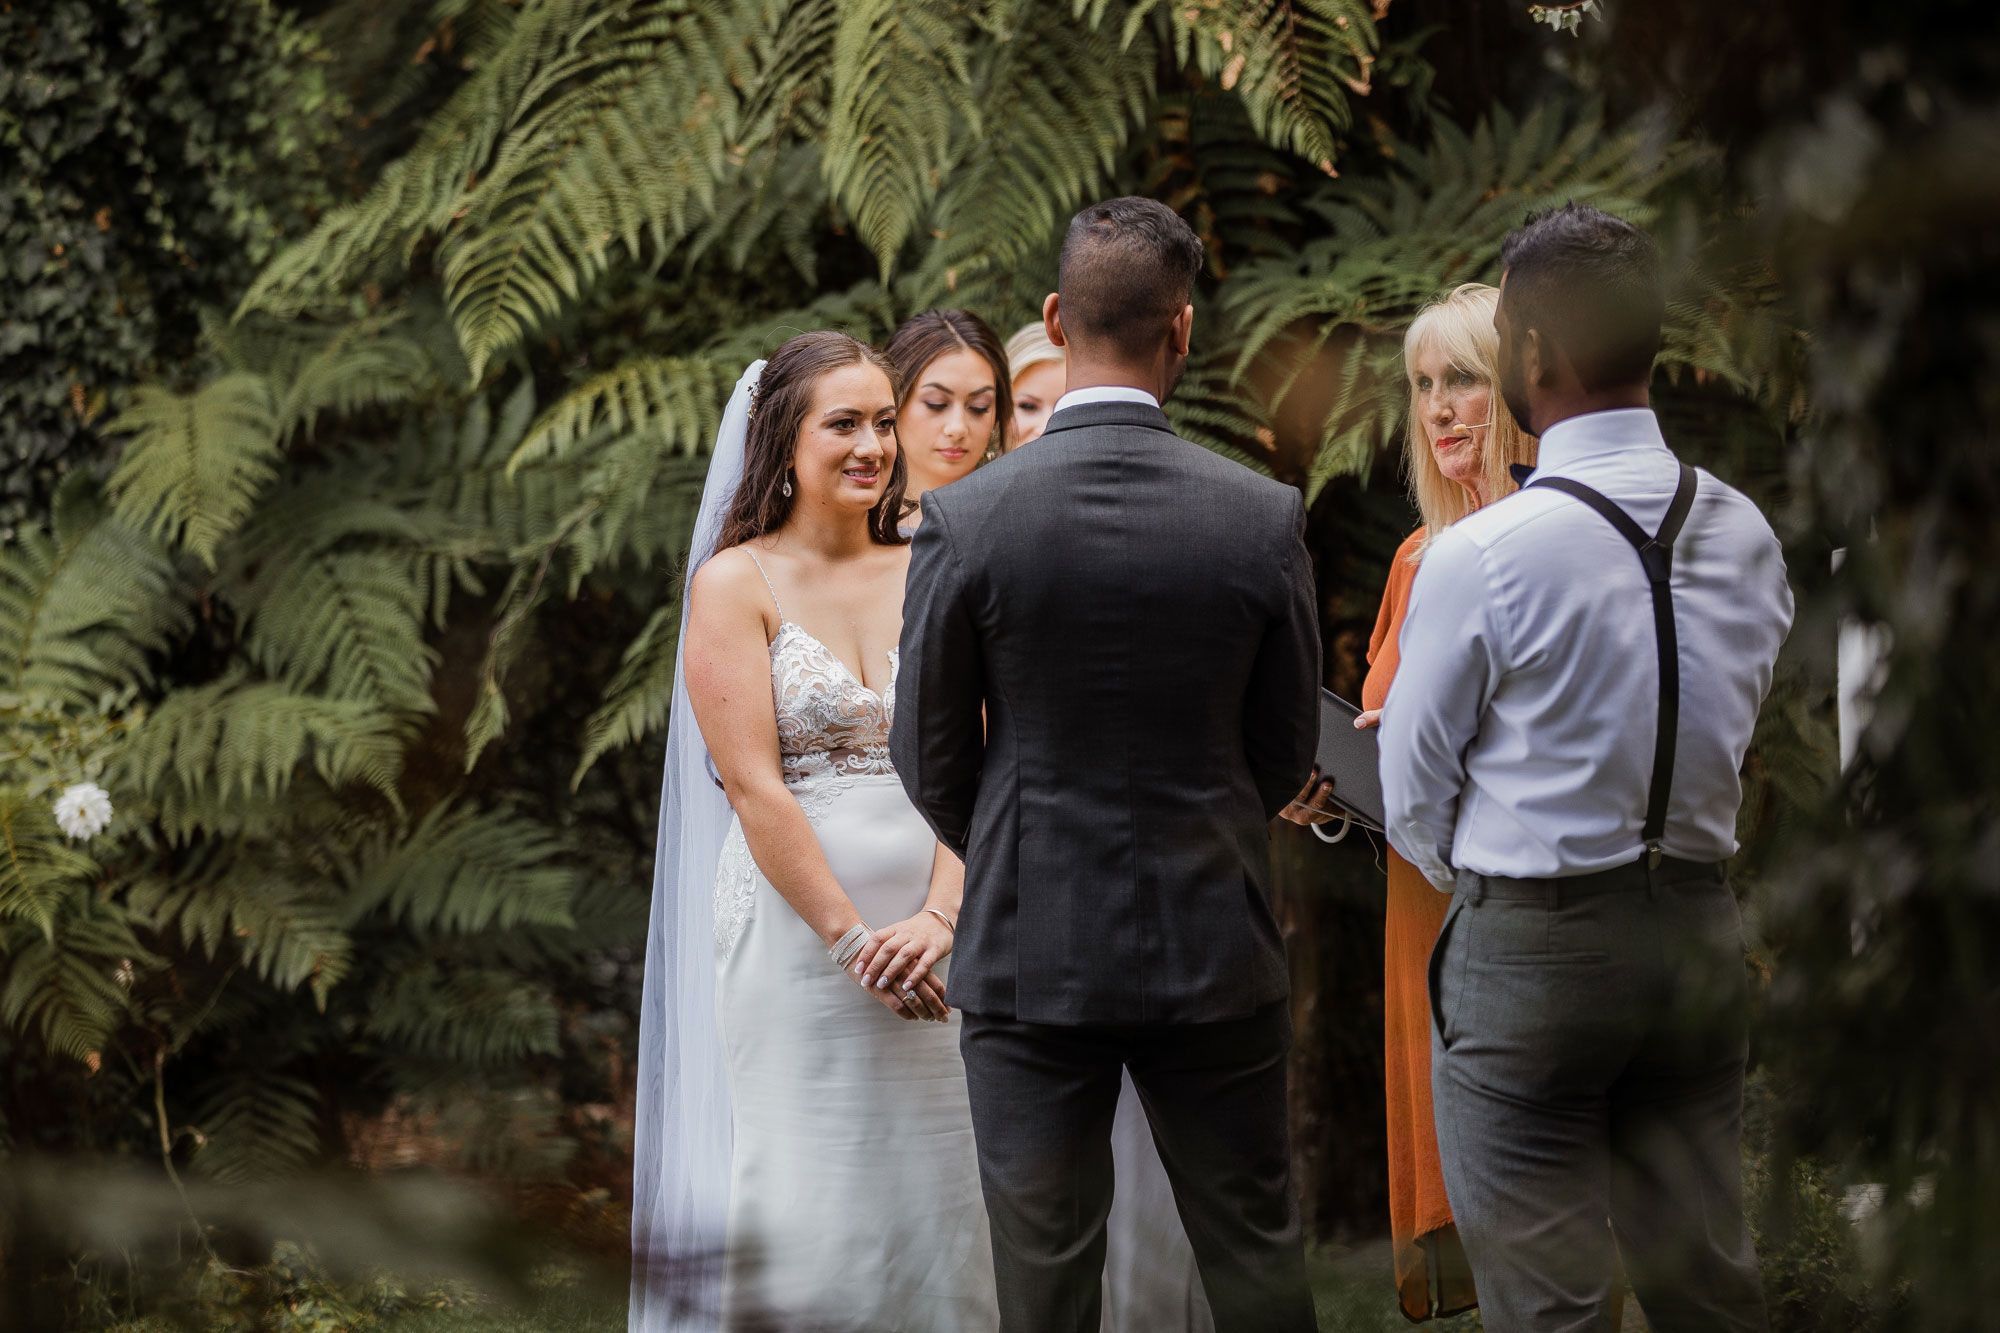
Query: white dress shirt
point(1103, 393)
point(1518, 735)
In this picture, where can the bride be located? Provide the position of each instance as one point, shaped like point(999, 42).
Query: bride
point(804, 1154)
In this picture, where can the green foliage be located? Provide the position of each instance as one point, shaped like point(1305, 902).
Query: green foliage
point(148, 175)
point(84, 601)
point(197, 461)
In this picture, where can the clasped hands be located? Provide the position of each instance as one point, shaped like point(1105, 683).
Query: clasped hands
point(895, 966)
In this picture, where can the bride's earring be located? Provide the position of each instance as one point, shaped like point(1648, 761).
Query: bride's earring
point(788, 485)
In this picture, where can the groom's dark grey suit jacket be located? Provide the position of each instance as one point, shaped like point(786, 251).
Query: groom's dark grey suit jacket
point(1136, 617)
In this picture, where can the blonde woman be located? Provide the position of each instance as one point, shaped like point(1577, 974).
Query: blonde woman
point(1038, 369)
point(1460, 444)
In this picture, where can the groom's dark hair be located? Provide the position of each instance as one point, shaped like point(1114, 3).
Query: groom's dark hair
point(1128, 266)
point(1590, 282)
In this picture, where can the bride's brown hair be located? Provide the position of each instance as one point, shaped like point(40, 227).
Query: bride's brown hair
point(778, 410)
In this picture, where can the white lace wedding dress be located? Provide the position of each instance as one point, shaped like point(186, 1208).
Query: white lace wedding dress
point(854, 1194)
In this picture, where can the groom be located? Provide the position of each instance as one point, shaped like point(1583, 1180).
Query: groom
point(1109, 685)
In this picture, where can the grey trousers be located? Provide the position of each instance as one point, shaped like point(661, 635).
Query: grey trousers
point(1588, 1039)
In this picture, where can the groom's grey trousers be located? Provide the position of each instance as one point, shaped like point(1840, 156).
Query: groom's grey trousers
point(1587, 1047)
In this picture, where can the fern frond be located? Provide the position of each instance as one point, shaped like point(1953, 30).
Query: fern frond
point(420, 192)
point(462, 870)
point(866, 311)
point(451, 473)
point(674, 401)
point(348, 624)
point(236, 738)
point(70, 985)
point(1057, 102)
point(474, 1016)
point(39, 867)
point(639, 508)
point(1294, 63)
point(198, 461)
point(615, 140)
point(286, 929)
point(900, 83)
point(641, 694)
point(257, 1125)
point(82, 606)
point(771, 202)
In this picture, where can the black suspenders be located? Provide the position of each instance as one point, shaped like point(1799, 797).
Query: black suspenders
point(1656, 553)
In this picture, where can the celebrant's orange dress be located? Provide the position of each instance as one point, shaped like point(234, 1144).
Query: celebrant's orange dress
point(1432, 1277)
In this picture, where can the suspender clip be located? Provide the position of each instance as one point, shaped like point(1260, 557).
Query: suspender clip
point(1652, 856)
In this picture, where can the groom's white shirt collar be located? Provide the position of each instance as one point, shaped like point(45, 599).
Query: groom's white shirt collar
point(1104, 393)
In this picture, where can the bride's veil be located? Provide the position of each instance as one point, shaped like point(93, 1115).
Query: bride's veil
point(681, 1143)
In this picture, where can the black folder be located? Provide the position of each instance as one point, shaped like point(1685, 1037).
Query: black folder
point(1351, 759)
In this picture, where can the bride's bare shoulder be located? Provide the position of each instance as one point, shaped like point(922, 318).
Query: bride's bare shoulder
point(731, 579)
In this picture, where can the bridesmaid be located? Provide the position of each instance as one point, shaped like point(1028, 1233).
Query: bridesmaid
point(1038, 368)
point(957, 397)
point(1459, 446)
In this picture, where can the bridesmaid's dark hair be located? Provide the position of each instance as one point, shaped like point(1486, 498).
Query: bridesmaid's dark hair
point(922, 339)
point(778, 412)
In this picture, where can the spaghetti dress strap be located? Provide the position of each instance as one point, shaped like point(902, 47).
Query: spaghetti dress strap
point(767, 583)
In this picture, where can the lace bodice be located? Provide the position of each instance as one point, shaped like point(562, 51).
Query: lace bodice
point(830, 727)
point(828, 722)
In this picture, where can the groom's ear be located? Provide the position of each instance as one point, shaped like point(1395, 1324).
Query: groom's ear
point(1536, 367)
point(1052, 321)
point(1183, 330)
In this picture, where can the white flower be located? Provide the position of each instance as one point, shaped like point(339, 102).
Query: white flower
point(82, 811)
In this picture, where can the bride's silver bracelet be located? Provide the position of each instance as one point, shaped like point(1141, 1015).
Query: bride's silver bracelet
point(950, 925)
point(847, 946)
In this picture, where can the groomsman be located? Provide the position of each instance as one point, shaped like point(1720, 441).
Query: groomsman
point(1582, 667)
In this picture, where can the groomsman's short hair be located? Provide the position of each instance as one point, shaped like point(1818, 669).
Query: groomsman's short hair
point(1128, 266)
point(1590, 282)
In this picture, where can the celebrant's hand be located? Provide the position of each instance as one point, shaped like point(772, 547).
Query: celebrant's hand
point(1314, 803)
point(904, 953)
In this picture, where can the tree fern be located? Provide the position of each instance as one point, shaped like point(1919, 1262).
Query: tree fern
point(83, 603)
point(671, 402)
point(233, 738)
point(584, 164)
point(1292, 62)
point(257, 1125)
point(70, 985)
point(867, 311)
point(346, 623)
point(470, 1015)
point(285, 928)
point(899, 84)
point(197, 461)
point(1056, 102)
point(326, 594)
point(39, 867)
point(641, 694)
point(420, 192)
point(463, 870)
